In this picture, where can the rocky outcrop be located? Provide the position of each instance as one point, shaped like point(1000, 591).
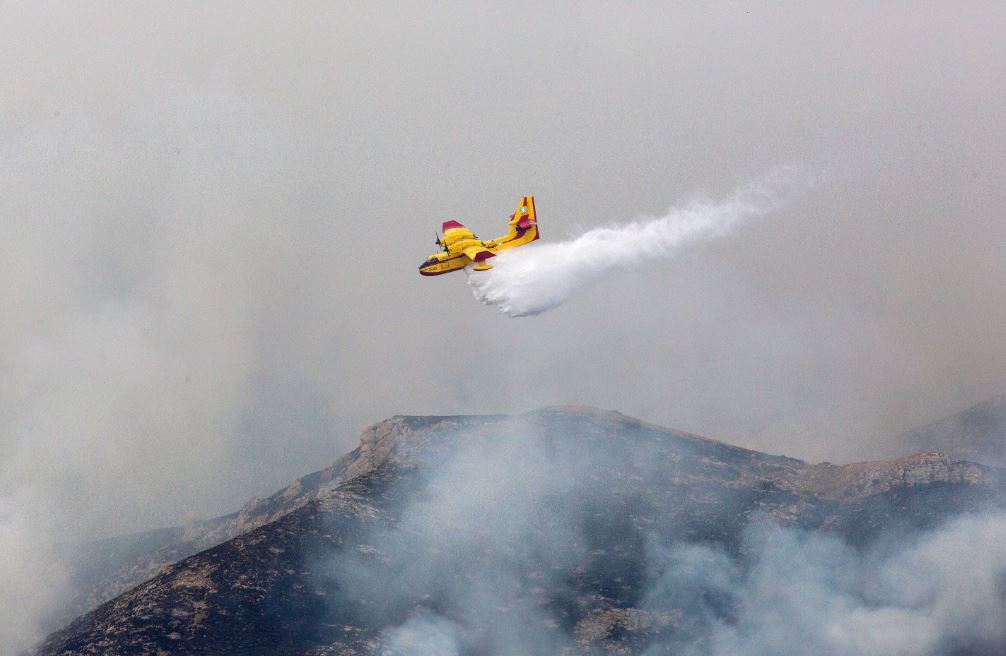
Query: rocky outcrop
point(863, 479)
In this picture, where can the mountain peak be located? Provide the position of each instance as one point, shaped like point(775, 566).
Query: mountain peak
point(558, 512)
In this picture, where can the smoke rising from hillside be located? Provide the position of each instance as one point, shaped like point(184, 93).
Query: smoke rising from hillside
point(541, 276)
point(32, 582)
point(480, 552)
point(802, 592)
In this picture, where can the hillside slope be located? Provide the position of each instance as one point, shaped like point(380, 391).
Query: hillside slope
point(546, 533)
point(977, 434)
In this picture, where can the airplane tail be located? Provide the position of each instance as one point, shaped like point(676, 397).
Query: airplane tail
point(523, 226)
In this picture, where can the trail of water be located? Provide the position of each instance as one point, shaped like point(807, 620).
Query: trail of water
point(540, 276)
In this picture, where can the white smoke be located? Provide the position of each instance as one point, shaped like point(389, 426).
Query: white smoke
point(538, 277)
point(478, 561)
point(31, 580)
point(806, 592)
point(424, 635)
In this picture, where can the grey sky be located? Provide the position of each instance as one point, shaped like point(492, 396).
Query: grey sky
point(211, 219)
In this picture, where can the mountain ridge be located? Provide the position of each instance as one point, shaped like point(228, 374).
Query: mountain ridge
point(977, 433)
point(699, 488)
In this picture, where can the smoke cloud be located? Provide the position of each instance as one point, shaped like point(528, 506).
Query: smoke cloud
point(477, 560)
point(538, 277)
point(453, 565)
point(799, 592)
point(424, 635)
point(31, 579)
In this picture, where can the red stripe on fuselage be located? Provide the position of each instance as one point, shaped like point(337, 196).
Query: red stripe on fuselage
point(450, 260)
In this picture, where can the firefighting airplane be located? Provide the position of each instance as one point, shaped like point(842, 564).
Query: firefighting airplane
point(462, 248)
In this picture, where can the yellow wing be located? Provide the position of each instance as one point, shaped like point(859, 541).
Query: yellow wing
point(477, 253)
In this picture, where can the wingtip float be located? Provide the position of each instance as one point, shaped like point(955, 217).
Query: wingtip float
point(461, 248)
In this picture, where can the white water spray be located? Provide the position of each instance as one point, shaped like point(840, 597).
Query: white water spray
point(540, 276)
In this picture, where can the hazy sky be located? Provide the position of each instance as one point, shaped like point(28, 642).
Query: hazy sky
point(211, 219)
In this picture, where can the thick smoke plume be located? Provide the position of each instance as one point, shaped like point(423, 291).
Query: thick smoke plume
point(800, 592)
point(482, 543)
point(539, 277)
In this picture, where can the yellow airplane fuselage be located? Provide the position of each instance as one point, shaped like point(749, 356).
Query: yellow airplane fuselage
point(462, 248)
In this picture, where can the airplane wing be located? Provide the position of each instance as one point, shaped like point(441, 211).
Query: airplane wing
point(476, 254)
point(454, 225)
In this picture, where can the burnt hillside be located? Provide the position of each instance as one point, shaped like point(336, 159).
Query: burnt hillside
point(552, 532)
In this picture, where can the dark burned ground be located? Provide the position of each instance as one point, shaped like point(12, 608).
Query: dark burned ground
point(580, 559)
